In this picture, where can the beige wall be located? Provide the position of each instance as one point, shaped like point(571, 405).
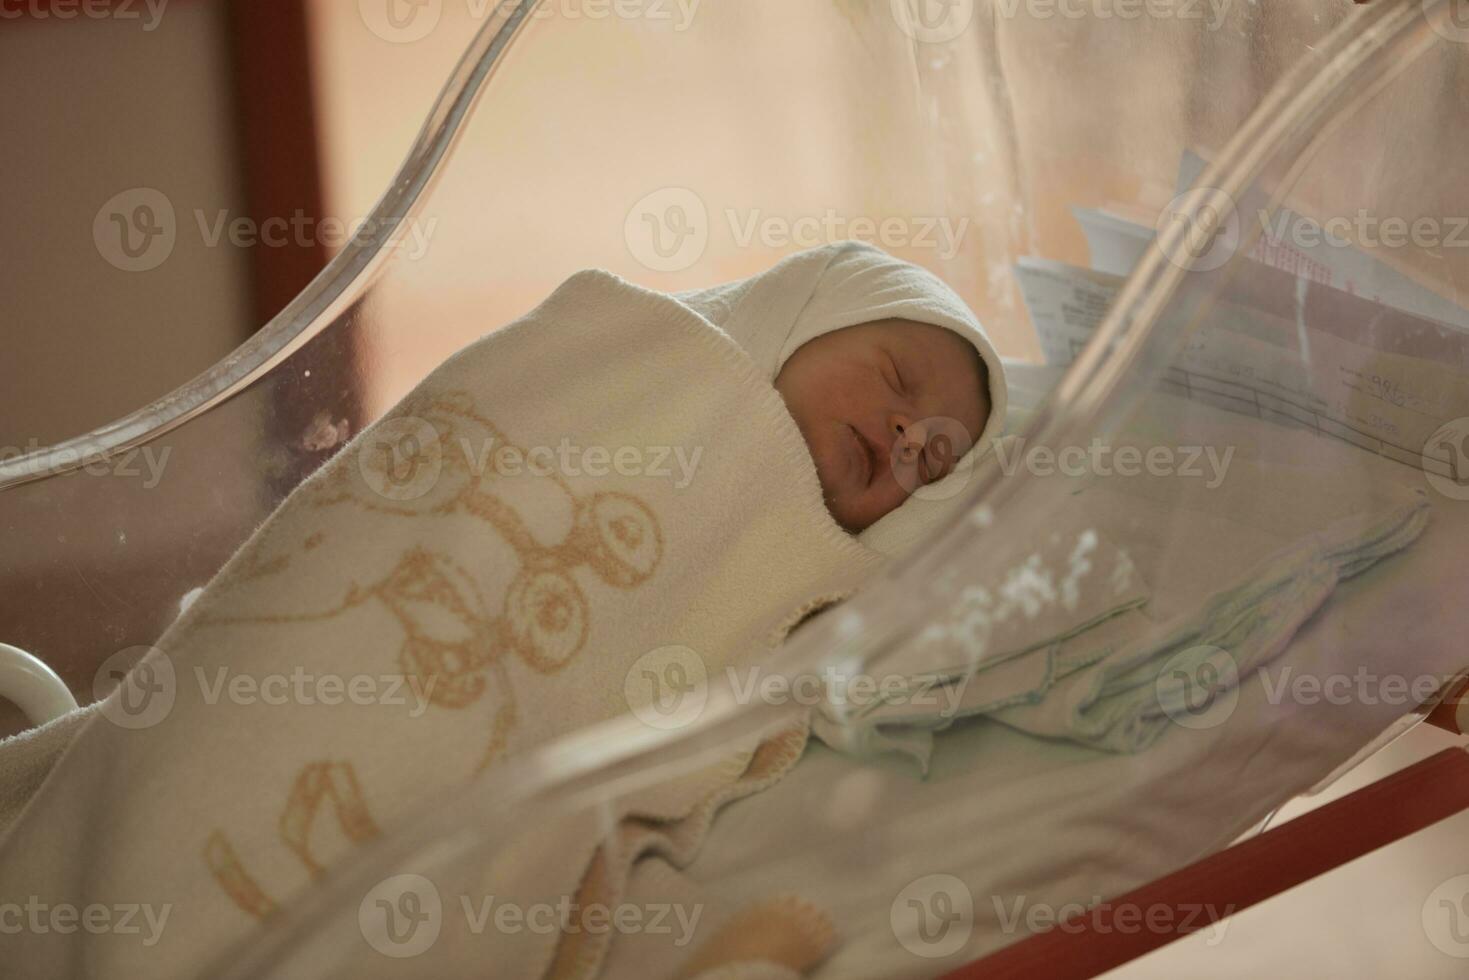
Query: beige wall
point(589, 115)
point(372, 96)
point(96, 563)
point(93, 108)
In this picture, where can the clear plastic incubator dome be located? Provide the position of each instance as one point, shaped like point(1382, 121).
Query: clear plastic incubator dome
point(1226, 251)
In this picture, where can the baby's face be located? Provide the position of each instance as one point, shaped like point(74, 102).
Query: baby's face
point(881, 407)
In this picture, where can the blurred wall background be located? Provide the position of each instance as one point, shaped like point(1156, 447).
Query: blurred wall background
point(93, 108)
point(138, 139)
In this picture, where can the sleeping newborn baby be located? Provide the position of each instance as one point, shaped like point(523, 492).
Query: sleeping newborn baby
point(516, 608)
point(886, 372)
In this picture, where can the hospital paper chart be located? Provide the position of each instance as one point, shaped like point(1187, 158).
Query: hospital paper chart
point(1291, 351)
point(1299, 245)
point(1290, 242)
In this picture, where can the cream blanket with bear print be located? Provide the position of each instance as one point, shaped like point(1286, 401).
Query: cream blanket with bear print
point(478, 573)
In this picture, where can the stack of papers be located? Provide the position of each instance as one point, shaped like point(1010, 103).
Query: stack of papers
point(1323, 336)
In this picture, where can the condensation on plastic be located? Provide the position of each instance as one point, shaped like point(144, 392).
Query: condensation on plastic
point(1011, 125)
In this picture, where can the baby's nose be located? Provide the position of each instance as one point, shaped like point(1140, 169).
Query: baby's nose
point(909, 438)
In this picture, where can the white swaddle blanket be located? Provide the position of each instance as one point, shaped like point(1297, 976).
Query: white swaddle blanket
point(479, 572)
point(434, 600)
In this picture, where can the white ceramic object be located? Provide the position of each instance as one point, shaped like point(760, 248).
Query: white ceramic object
point(33, 686)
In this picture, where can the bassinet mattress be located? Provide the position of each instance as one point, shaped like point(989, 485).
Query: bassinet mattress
point(1032, 827)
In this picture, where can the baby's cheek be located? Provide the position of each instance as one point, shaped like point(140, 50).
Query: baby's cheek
point(829, 475)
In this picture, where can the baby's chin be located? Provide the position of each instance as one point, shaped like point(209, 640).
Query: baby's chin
point(830, 473)
point(846, 507)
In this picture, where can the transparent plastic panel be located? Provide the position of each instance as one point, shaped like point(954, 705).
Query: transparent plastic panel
point(749, 130)
point(1235, 485)
point(1245, 454)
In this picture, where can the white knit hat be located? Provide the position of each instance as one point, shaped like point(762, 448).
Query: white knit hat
point(825, 289)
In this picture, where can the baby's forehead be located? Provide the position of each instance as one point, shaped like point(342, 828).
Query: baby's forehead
point(926, 338)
